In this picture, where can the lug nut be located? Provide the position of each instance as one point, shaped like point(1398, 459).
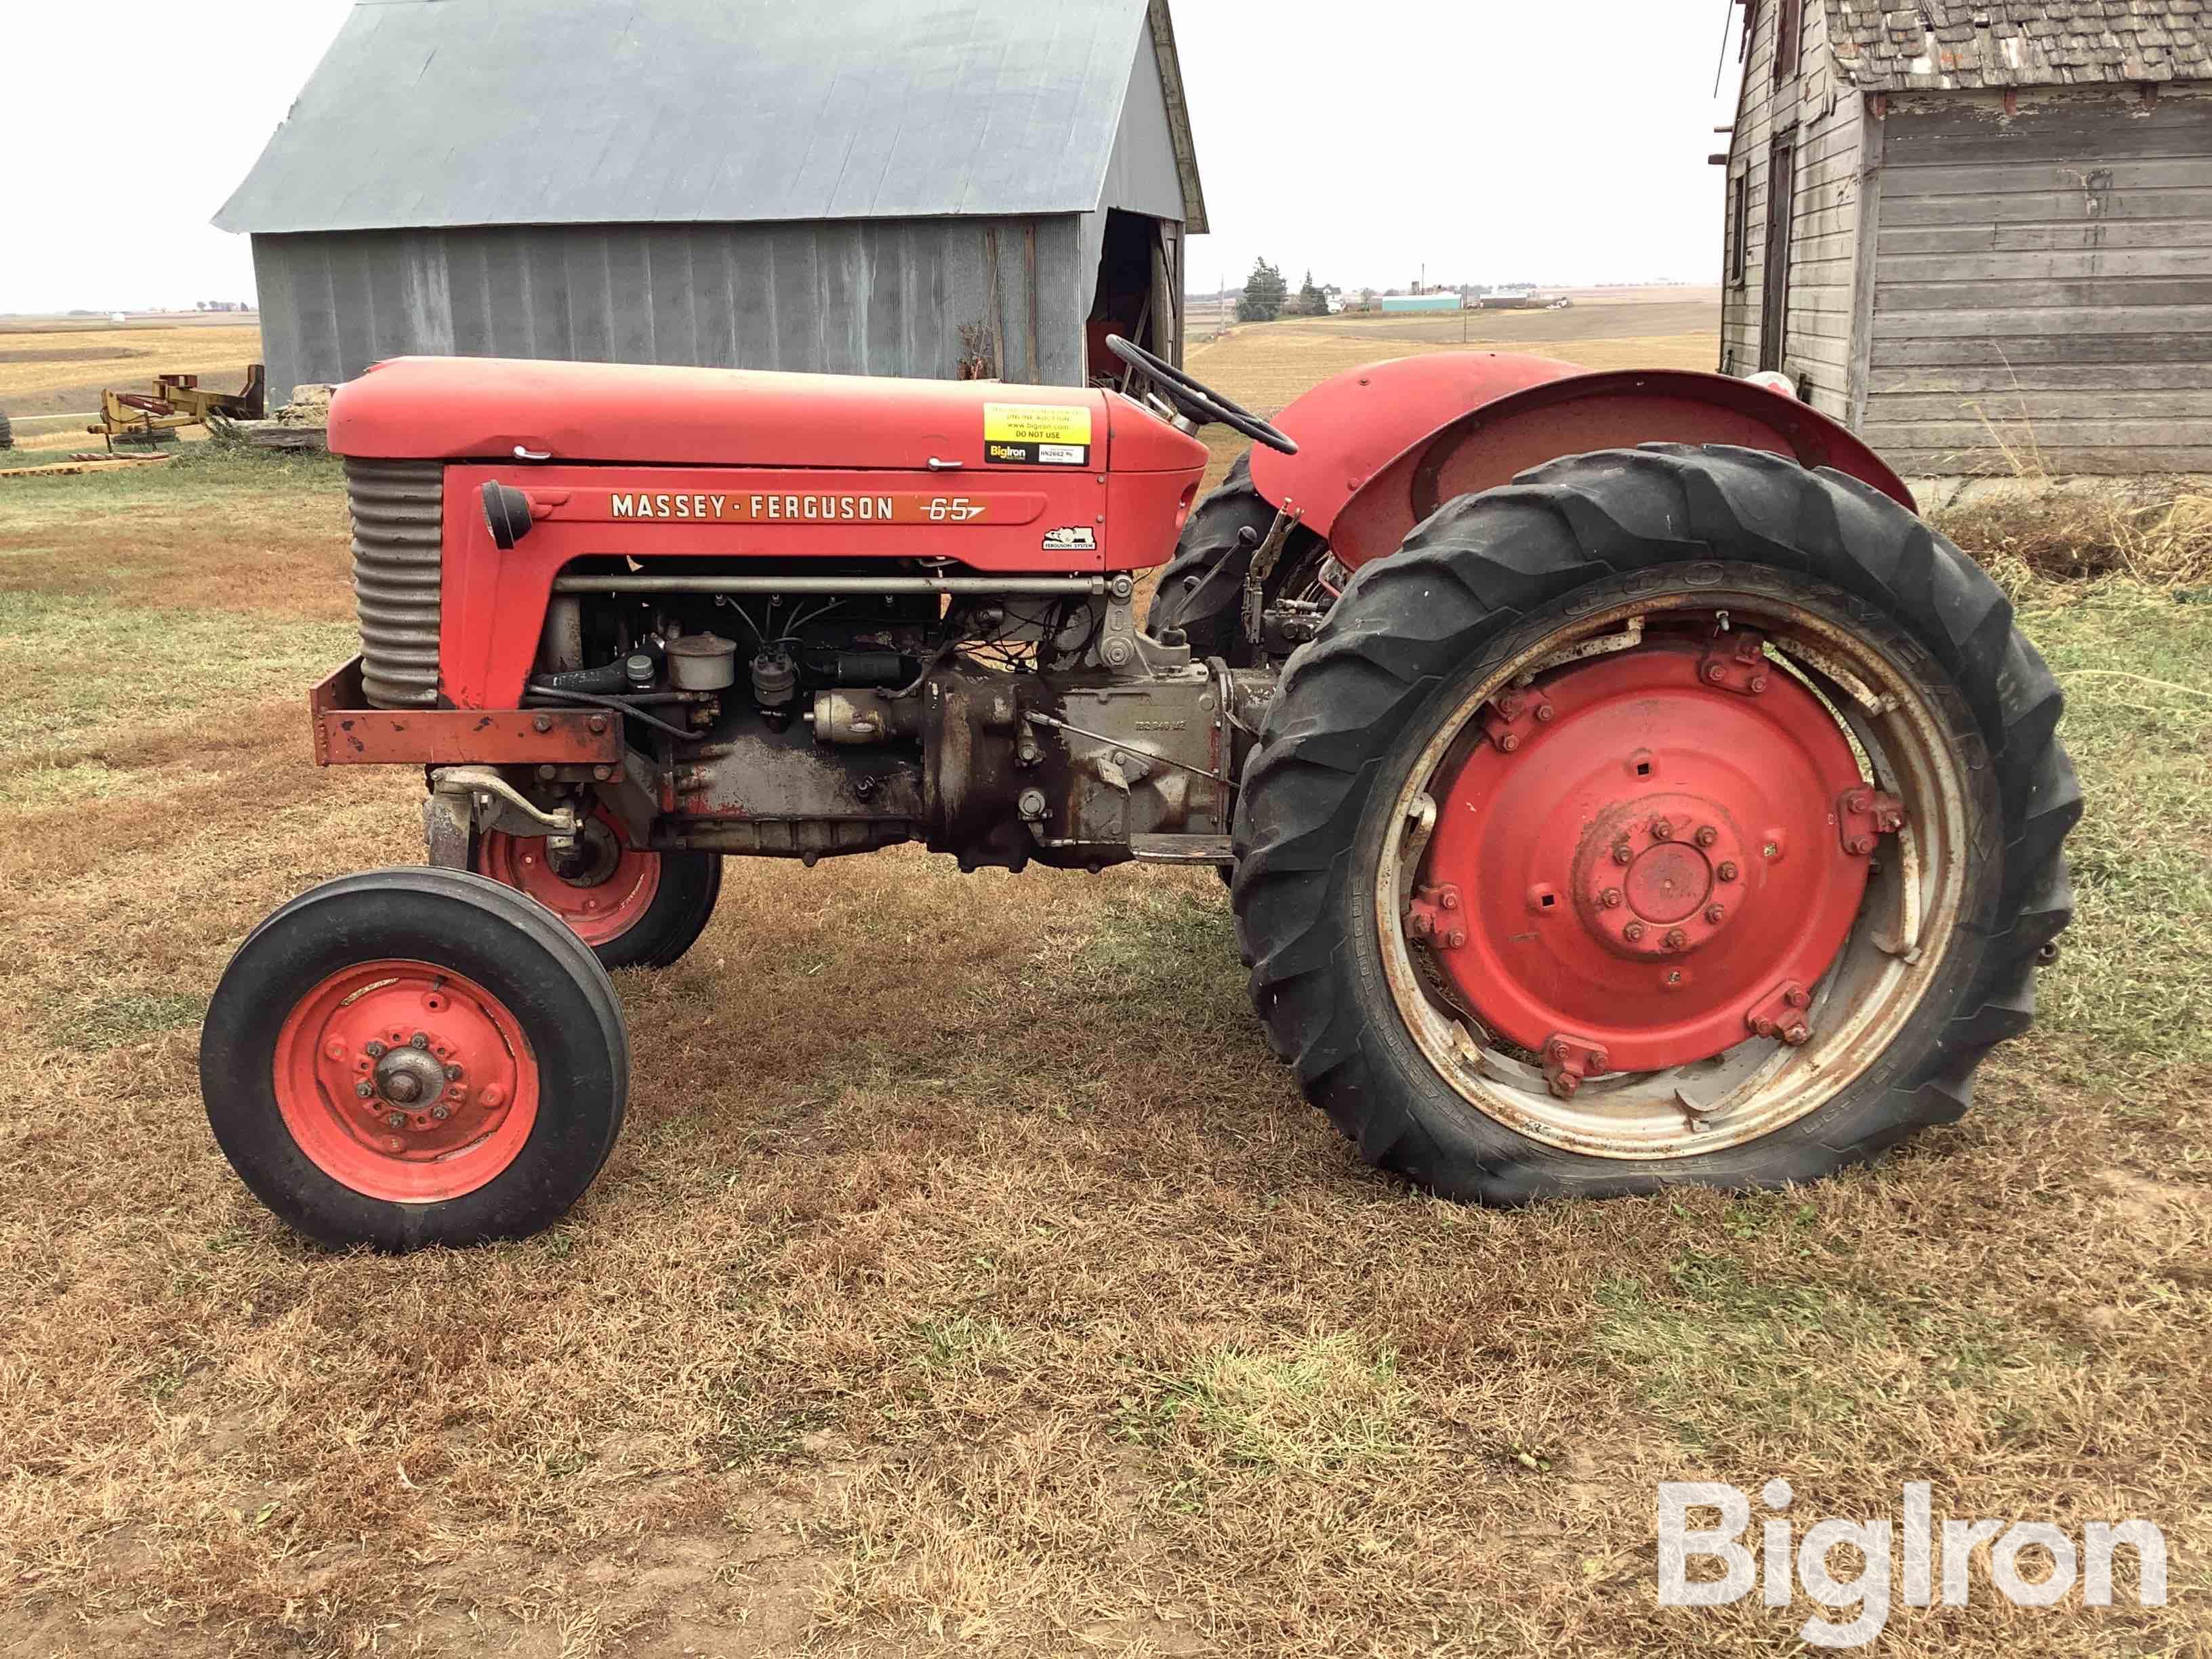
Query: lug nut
point(441, 1112)
point(1796, 996)
point(1707, 835)
point(453, 1074)
point(364, 1089)
point(420, 1040)
point(1715, 673)
point(1759, 682)
point(1858, 801)
point(374, 1050)
point(597, 723)
point(1621, 854)
point(1764, 1027)
point(1455, 939)
point(1610, 898)
point(1728, 871)
point(1449, 898)
point(1544, 713)
point(1633, 932)
point(1565, 1084)
point(1662, 830)
point(1862, 845)
point(395, 1120)
point(1798, 1035)
point(1558, 1047)
point(1675, 939)
point(1509, 743)
point(1716, 915)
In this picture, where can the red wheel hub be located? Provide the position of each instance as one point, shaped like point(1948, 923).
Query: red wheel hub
point(610, 891)
point(1637, 857)
point(405, 1082)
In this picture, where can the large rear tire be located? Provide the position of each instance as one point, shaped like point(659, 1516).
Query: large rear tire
point(415, 1056)
point(1428, 893)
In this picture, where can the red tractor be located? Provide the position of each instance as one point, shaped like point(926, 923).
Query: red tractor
point(1620, 784)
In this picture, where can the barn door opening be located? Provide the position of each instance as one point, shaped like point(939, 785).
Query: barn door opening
point(1781, 212)
point(1136, 296)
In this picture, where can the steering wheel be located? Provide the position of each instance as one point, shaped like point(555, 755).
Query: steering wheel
point(1200, 402)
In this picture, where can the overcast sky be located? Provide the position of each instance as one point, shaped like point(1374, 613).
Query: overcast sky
point(1494, 140)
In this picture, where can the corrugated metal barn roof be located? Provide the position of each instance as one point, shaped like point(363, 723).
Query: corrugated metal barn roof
point(1891, 44)
point(428, 113)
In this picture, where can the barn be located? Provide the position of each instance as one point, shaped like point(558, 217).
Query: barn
point(1980, 231)
point(931, 188)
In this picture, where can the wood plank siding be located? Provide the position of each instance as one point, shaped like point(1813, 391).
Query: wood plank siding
point(1820, 120)
point(2043, 294)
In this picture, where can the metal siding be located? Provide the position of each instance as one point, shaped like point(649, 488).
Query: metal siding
point(2038, 276)
point(458, 113)
point(849, 297)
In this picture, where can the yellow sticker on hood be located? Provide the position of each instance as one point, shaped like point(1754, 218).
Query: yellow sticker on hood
point(1036, 423)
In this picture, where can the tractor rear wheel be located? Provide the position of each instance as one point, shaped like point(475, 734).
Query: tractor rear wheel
point(635, 909)
point(415, 1056)
point(1202, 590)
point(1674, 815)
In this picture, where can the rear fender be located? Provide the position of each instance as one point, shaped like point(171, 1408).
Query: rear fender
point(1548, 415)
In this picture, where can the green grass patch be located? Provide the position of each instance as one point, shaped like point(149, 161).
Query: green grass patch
point(2134, 978)
point(81, 671)
point(1732, 1361)
point(113, 1021)
point(1326, 1404)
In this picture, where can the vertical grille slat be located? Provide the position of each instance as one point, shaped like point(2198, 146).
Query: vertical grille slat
point(397, 543)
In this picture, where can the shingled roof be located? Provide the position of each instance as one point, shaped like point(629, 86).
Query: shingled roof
point(1891, 44)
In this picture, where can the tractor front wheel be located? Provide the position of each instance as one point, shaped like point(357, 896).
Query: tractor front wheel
point(1674, 815)
point(635, 909)
point(415, 1056)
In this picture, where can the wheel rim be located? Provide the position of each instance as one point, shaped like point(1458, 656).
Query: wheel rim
point(1662, 884)
point(405, 1082)
point(612, 889)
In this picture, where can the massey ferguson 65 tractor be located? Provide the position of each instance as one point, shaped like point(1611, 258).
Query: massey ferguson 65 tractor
point(1620, 784)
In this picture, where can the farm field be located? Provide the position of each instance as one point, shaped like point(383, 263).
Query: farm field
point(969, 1278)
point(52, 368)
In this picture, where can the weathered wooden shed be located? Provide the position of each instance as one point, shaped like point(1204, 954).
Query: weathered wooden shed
point(911, 187)
point(1980, 231)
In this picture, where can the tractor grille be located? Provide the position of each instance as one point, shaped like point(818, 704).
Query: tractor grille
point(396, 546)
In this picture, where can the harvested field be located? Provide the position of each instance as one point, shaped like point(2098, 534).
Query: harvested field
point(62, 367)
point(968, 1277)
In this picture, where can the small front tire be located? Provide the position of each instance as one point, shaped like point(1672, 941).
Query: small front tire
point(415, 1056)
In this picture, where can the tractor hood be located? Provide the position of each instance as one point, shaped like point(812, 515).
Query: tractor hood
point(490, 408)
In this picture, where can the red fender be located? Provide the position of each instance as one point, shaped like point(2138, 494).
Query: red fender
point(1382, 447)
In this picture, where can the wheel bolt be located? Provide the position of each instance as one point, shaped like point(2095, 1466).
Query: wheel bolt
point(1707, 836)
point(441, 1113)
point(1796, 997)
point(1727, 871)
point(1862, 845)
point(1559, 1048)
point(1715, 673)
point(1675, 939)
point(1858, 801)
point(1509, 743)
point(1449, 898)
point(1798, 1035)
point(1544, 713)
point(395, 1120)
point(420, 1040)
point(364, 1089)
point(1716, 915)
point(1759, 682)
point(1633, 932)
point(1662, 830)
point(374, 1050)
point(1764, 1027)
point(1610, 898)
point(453, 1074)
point(1621, 854)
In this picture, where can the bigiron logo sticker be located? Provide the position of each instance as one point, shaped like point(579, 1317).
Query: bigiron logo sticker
point(1071, 538)
point(1036, 434)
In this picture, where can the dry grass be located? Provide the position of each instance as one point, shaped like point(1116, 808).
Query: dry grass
point(2159, 537)
point(969, 1278)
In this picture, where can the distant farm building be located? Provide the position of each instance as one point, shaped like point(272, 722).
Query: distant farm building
point(933, 188)
point(1422, 302)
point(1981, 232)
